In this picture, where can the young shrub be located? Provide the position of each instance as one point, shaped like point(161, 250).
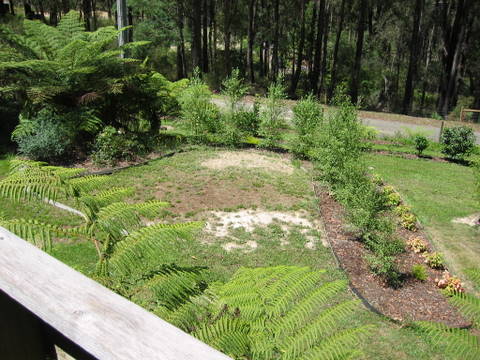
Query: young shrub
point(307, 115)
point(434, 260)
point(271, 115)
point(44, 136)
point(458, 142)
point(234, 90)
point(112, 146)
point(418, 245)
point(450, 284)
point(419, 272)
point(409, 221)
point(421, 143)
point(196, 108)
point(377, 179)
point(402, 210)
point(384, 266)
point(392, 198)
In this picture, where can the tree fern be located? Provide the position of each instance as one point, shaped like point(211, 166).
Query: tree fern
point(469, 305)
point(474, 275)
point(157, 244)
point(289, 312)
point(456, 343)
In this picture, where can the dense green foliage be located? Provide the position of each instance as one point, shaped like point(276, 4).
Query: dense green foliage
point(271, 115)
point(458, 142)
point(421, 143)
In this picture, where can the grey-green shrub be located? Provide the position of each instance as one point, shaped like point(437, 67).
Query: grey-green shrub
point(271, 115)
point(458, 142)
point(45, 137)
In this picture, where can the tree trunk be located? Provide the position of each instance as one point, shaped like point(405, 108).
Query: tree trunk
point(323, 71)
point(301, 45)
point(311, 38)
point(87, 14)
point(251, 38)
point(359, 50)
point(414, 52)
point(181, 61)
point(317, 59)
point(205, 37)
point(276, 22)
point(454, 39)
point(197, 33)
point(121, 23)
point(333, 80)
point(227, 35)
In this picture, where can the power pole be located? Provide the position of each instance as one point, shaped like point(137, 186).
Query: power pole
point(121, 23)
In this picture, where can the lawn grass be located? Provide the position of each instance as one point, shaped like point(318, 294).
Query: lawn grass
point(438, 193)
point(194, 191)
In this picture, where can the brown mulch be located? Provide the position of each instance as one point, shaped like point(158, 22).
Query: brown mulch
point(410, 156)
point(414, 300)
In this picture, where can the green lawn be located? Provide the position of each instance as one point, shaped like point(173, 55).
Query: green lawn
point(438, 193)
point(195, 190)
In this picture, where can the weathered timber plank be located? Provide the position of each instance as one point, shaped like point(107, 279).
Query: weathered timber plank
point(103, 323)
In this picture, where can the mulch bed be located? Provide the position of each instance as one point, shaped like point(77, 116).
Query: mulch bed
point(414, 300)
point(410, 156)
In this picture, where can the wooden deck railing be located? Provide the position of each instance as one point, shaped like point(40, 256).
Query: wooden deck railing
point(43, 303)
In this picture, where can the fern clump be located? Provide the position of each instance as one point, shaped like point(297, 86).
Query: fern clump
point(279, 313)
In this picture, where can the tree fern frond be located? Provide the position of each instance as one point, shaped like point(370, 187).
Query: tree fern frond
point(468, 304)
point(325, 324)
point(474, 275)
point(71, 26)
point(156, 243)
point(88, 183)
point(229, 335)
point(103, 198)
point(457, 343)
point(38, 233)
point(338, 346)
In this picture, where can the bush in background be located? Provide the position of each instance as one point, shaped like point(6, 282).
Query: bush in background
point(271, 115)
point(112, 146)
point(307, 116)
point(44, 137)
point(458, 142)
point(421, 143)
point(200, 114)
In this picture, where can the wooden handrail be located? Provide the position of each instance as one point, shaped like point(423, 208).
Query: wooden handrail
point(101, 322)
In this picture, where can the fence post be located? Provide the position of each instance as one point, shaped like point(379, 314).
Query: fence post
point(441, 131)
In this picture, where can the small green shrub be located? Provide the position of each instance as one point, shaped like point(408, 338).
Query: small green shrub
point(421, 143)
point(401, 210)
point(458, 142)
point(419, 272)
point(408, 221)
point(271, 115)
point(418, 245)
point(197, 110)
point(111, 146)
point(385, 267)
point(434, 260)
point(44, 137)
point(307, 116)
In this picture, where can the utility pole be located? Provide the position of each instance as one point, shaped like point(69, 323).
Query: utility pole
point(121, 23)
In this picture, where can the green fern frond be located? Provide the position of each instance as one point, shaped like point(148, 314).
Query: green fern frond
point(103, 198)
point(38, 233)
point(290, 312)
point(338, 346)
point(152, 244)
point(456, 343)
point(89, 183)
point(229, 335)
point(474, 275)
point(71, 26)
point(170, 290)
point(468, 304)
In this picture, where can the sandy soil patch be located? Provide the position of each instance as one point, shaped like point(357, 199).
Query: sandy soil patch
point(471, 220)
point(222, 223)
point(248, 160)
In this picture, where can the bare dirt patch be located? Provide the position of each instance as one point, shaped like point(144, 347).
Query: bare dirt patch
point(471, 220)
point(222, 223)
point(248, 160)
